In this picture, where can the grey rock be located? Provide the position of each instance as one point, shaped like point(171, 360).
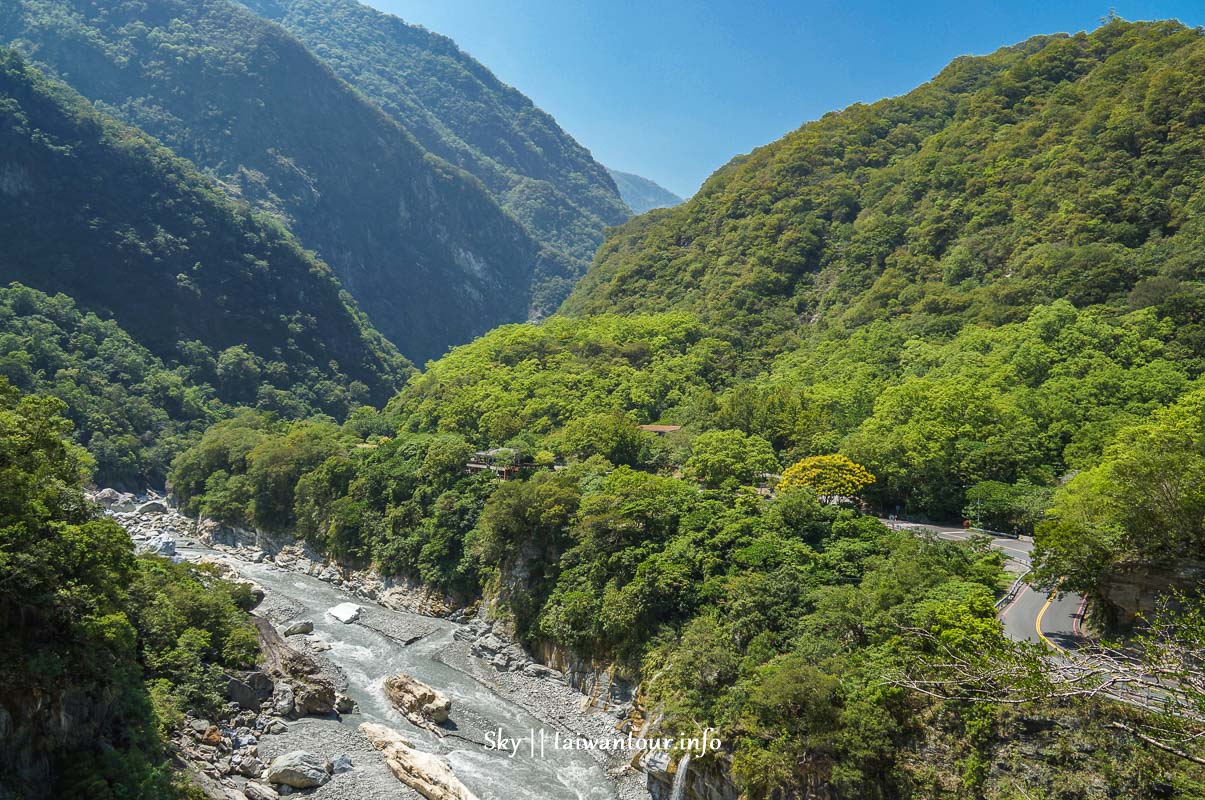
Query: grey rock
point(298, 769)
point(657, 763)
point(247, 765)
point(534, 670)
point(241, 740)
point(107, 497)
point(240, 692)
point(341, 763)
point(161, 544)
point(257, 791)
point(282, 699)
point(200, 725)
point(152, 507)
point(488, 645)
point(298, 628)
point(263, 685)
point(124, 504)
point(344, 704)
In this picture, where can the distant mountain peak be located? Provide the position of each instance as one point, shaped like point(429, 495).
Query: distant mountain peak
point(642, 194)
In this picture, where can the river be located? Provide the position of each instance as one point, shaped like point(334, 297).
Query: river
point(366, 658)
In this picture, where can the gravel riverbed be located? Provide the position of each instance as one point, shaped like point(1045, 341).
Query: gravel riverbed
point(542, 695)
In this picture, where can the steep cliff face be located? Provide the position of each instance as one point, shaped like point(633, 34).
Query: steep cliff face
point(430, 256)
point(460, 111)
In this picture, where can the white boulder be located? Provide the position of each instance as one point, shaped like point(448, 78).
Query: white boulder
point(345, 612)
point(425, 773)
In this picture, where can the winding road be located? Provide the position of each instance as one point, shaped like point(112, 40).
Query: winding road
point(1031, 615)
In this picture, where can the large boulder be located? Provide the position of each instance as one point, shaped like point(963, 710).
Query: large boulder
point(244, 694)
point(301, 688)
point(313, 697)
point(299, 770)
point(282, 699)
point(300, 627)
point(115, 501)
point(161, 544)
point(106, 497)
point(418, 701)
point(425, 773)
point(345, 612)
point(152, 507)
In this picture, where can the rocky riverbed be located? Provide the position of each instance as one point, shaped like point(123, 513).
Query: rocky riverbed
point(493, 684)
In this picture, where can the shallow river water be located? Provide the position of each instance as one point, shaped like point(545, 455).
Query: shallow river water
point(367, 658)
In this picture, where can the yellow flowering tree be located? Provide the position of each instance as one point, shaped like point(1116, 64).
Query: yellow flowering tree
point(827, 476)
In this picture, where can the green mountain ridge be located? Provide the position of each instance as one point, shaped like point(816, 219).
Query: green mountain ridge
point(458, 110)
point(641, 194)
point(100, 212)
point(1065, 166)
point(988, 293)
point(428, 254)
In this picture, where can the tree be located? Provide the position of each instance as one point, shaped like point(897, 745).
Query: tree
point(611, 435)
point(830, 477)
point(1145, 502)
point(721, 456)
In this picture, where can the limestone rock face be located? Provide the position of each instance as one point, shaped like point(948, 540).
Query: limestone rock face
point(425, 773)
point(299, 770)
point(413, 698)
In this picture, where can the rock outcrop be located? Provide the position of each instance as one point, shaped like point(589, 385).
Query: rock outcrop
point(300, 687)
point(425, 773)
point(421, 704)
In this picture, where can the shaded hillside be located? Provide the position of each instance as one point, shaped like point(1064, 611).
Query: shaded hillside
point(430, 256)
point(1064, 167)
point(101, 212)
point(131, 411)
point(641, 194)
point(103, 652)
point(461, 112)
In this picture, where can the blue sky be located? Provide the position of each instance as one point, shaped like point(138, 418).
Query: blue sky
point(672, 89)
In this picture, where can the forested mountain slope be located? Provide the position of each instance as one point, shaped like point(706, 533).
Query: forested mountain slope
point(428, 253)
point(1064, 167)
point(461, 112)
point(641, 194)
point(102, 213)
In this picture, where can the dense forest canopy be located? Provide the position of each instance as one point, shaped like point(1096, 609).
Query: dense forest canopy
point(426, 251)
point(102, 651)
point(160, 268)
point(1065, 167)
point(981, 300)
